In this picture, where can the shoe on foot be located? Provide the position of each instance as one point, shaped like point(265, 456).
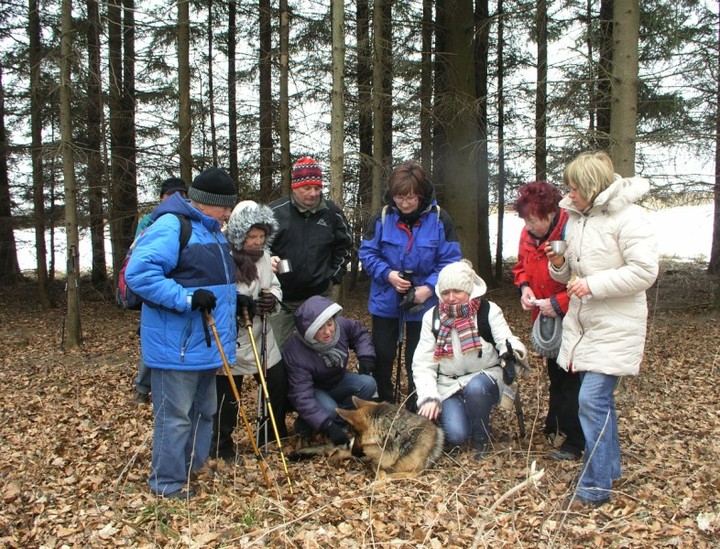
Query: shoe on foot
point(578, 503)
point(563, 454)
point(179, 494)
point(141, 398)
point(481, 450)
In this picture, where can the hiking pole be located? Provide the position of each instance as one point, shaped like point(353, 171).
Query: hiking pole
point(262, 411)
point(236, 394)
point(249, 326)
point(398, 369)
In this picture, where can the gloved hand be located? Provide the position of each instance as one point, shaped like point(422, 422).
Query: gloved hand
point(366, 366)
point(247, 303)
point(265, 303)
point(337, 435)
point(508, 357)
point(204, 300)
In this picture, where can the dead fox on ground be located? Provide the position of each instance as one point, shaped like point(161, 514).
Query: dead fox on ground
point(394, 439)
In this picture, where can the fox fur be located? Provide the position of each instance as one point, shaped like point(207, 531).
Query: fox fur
point(393, 439)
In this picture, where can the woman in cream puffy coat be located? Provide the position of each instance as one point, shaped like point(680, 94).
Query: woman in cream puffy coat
point(611, 259)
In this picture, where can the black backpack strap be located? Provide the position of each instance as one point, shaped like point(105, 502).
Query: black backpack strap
point(483, 322)
point(185, 230)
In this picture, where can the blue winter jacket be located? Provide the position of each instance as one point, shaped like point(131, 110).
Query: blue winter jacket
point(390, 245)
point(306, 369)
point(172, 334)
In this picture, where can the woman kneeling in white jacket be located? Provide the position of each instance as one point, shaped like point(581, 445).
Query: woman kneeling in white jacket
point(458, 374)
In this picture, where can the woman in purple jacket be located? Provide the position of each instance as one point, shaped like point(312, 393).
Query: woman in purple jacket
point(316, 357)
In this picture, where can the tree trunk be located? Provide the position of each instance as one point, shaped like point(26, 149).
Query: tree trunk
point(211, 85)
point(379, 110)
point(603, 96)
point(265, 111)
point(9, 268)
point(36, 106)
point(541, 92)
point(72, 335)
point(95, 166)
point(386, 103)
point(184, 116)
point(460, 108)
point(364, 196)
point(480, 237)
point(284, 108)
point(123, 195)
point(337, 100)
point(426, 86)
point(623, 113)
point(500, 141)
point(232, 92)
point(714, 264)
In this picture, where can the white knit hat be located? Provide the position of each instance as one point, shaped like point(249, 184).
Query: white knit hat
point(460, 276)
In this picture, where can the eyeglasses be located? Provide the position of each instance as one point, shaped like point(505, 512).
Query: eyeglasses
point(408, 199)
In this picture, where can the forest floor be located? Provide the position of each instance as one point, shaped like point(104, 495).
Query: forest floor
point(76, 452)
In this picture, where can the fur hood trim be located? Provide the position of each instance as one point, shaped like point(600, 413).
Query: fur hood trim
point(246, 215)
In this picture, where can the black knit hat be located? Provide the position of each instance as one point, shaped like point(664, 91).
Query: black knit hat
point(172, 185)
point(213, 187)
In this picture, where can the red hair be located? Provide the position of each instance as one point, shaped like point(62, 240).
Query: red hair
point(538, 199)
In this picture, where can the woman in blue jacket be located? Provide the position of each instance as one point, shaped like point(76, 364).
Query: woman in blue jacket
point(403, 250)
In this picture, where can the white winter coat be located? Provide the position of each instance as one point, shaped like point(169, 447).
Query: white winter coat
point(438, 380)
point(613, 246)
point(246, 363)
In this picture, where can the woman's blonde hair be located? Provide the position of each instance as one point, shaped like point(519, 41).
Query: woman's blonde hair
point(592, 172)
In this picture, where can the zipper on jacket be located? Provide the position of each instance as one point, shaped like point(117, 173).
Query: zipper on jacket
point(186, 339)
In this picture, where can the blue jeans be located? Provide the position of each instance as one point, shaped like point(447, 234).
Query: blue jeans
point(466, 414)
point(142, 381)
point(340, 396)
point(601, 461)
point(183, 405)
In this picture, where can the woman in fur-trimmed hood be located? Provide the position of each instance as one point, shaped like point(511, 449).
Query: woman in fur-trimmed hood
point(250, 230)
point(610, 260)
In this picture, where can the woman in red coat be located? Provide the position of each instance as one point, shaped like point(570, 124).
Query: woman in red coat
point(537, 205)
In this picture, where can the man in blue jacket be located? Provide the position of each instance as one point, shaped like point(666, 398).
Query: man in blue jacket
point(178, 287)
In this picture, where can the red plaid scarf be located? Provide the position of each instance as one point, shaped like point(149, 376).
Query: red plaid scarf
point(461, 317)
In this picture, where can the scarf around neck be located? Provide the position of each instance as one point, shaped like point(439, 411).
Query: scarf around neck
point(245, 262)
point(333, 358)
point(460, 317)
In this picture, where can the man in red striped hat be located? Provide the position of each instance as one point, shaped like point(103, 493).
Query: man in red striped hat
point(313, 242)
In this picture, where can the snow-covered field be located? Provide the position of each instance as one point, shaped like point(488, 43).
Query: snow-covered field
point(683, 232)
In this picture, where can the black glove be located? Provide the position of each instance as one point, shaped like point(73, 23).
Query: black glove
point(509, 364)
point(204, 300)
point(366, 366)
point(247, 303)
point(265, 303)
point(408, 300)
point(337, 434)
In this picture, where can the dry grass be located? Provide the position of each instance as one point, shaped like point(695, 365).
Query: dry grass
point(76, 453)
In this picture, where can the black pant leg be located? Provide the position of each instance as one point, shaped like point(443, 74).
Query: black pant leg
point(277, 385)
point(385, 335)
point(225, 420)
point(412, 337)
point(554, 373)
point(568, 419)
